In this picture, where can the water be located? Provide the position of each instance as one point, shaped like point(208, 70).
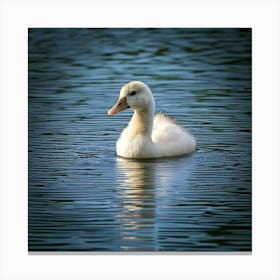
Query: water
point(84, 198)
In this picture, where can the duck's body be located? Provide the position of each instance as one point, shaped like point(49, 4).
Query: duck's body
point(149, 136)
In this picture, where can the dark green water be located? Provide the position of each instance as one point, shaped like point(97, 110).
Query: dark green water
point(82, 197)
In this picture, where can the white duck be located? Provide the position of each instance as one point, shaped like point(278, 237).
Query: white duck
point(148, 135)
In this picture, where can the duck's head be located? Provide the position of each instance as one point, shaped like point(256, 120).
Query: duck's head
point(135, 95)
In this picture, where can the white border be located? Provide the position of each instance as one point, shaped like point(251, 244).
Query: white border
point(262, 16)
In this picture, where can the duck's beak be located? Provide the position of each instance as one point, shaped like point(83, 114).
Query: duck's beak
point(119, 106)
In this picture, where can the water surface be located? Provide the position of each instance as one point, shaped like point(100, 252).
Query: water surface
point(84, 198)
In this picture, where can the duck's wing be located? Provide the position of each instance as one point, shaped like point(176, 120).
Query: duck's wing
point(166, 128)
point(170, 137)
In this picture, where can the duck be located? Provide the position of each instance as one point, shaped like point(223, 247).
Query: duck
point(149, 135)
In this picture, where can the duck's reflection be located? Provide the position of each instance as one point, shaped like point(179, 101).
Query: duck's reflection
point(136, 184)
point(147, 190)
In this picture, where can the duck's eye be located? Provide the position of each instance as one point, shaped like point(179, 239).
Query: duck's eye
point(133, 93)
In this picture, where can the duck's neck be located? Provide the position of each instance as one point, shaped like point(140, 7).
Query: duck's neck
point(142, 122)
